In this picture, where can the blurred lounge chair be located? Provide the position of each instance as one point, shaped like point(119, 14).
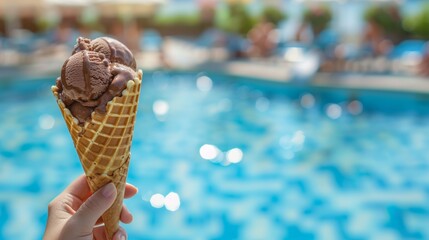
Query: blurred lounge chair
point(303, 59)
point(181, 54)
point(414, 47)
point(407, 56)
point(232, 44)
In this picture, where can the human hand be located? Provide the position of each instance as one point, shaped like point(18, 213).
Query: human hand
point(76, 214)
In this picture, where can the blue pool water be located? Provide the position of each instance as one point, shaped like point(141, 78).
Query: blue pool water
point(218, 157)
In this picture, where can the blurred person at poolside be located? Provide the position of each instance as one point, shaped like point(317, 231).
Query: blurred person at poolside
point(85, 30)
point(424, 65)
point(384, 29)
point(114, 28)
point(76, 214)
point(65, 33)
point(262, 39)
point(375, 40)
point(133, 33)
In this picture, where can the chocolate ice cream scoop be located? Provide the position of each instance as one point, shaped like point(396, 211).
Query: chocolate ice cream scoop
point(96, 72)
point(114, 50)
point(82, 44)
point(85, 76)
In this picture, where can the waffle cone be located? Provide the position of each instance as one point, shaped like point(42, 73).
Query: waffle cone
point(103, 145)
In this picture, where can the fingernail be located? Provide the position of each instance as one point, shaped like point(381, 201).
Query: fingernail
point(119, 236)
point(108, 190)
point(122, 236)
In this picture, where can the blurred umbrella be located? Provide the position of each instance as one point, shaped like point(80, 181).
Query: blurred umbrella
point(69, 8)
point(213, 3)
point(6, 5)
point(127, 8)
point(207, 3)
point(69, 3)
point(13, 11)
point(238, 1)
point(15, 7)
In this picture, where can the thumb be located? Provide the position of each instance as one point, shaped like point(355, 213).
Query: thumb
point(92, 209)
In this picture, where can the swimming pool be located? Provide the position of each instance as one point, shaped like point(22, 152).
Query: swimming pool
point(221, 157)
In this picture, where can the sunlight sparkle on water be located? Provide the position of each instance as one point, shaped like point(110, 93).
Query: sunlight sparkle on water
point(209, 152)
point(298, 138)
point(46, 122)
point(307, 100)
point(333, 111)
point(160, 108)
point(293, 143)
point(355, 107)
point(204, 84)
point(234, 155)
point(172, 201)
point(157, 200)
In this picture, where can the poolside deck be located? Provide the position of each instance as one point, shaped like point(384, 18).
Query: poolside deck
point(266, 69)
point(274, 71)
point(373, 82)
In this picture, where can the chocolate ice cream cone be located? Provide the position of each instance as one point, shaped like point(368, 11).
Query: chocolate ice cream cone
point(103, 145)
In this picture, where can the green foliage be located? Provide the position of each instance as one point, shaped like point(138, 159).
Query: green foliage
point(45, 23)
point(318, 18)
point(418, 24)
point(236, 18)
point(383, 17)
point(388, 18)
point(273, 15)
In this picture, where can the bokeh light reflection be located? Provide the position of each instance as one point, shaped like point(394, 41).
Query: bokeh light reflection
point(46, 122)
point(209, 152)
point(292, 143)
point(160, 108)
point(333, 111)
point(307, 100)
point(157, 200)
point(234, 155)
point(355, 107)
point(172, 201)
point(298, 138)
point(204, 84)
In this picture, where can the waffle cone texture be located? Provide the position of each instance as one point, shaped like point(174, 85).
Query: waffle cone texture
point(103, 145)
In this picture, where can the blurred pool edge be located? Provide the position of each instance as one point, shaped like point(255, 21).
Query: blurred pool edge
point(259, 71)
